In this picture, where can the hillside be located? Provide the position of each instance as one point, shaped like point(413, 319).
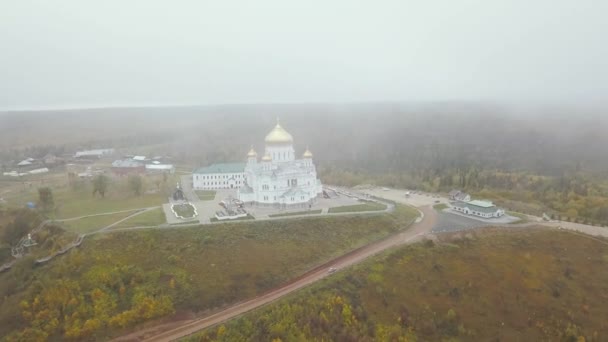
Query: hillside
point(119, 281)
point(491, 285)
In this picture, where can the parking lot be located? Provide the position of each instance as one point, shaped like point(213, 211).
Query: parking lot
point(415, 199)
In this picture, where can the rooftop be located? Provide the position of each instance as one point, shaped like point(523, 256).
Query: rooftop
point(480, 206)
point(126, 163)
point(159, 166)
point(97, 152)
point(222, 168)
point(483, 204)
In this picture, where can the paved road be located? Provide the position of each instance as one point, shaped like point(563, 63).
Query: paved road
point(413, 234)
point(186, 184)
point(578, 227)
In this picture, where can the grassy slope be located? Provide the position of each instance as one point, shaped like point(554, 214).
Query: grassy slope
point(152, 217)
point(369, 206)
point(197, 268)
point(440, 206)
point(74, 203)
point(90, 224)
point(509, 286)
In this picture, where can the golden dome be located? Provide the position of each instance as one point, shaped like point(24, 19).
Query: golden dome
point(252, 153)
point(266, 158)
point(307, 153)
point(278, 135)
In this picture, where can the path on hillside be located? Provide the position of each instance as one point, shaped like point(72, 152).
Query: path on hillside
point(79, 239)
point(414, 233)
point(104, 214)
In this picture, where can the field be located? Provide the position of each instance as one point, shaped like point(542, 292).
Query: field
point(78, 200)
point(152, 217)
point(440, 206)
point(205, 195)
point(295, 213)
point(494, 285)
point(120, 280)
point(93, 223)
point(72, 204)
point(368, 206)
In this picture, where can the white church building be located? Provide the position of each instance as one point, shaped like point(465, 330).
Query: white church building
point(278, 178)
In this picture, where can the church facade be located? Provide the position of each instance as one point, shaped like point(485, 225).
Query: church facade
point(279, 178)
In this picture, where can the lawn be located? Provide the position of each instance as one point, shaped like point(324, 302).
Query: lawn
point(493, 285)
point(522, 218)
point(71, 202)
point(184, 210)
point(78, 203)
point(152, 217)
point(440, 206)
point(135, 276)
point(93, 223)
point(295, 213)
point(367, 206)
point(205, 195)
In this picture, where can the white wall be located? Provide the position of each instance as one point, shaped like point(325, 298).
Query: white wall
point(281, 153)
point(212, 181)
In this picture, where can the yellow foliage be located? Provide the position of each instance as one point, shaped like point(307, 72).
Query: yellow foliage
point(221, 330)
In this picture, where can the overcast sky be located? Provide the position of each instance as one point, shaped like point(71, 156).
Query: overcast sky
point(71, 53)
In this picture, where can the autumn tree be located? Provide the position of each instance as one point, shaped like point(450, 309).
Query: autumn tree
point(136, 184)
point(45, 199)
point(100, 185)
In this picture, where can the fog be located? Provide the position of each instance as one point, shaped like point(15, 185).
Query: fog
point(71, 53)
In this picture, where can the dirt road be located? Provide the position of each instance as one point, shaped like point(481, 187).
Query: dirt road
point(413, 234)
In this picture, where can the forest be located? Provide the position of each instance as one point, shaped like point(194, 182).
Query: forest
point(535, 160)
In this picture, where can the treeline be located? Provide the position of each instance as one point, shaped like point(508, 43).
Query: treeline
point(375, 137)
point(554, 158)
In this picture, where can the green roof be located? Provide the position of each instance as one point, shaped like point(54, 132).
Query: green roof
point(222, 168)
point(483, 204)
